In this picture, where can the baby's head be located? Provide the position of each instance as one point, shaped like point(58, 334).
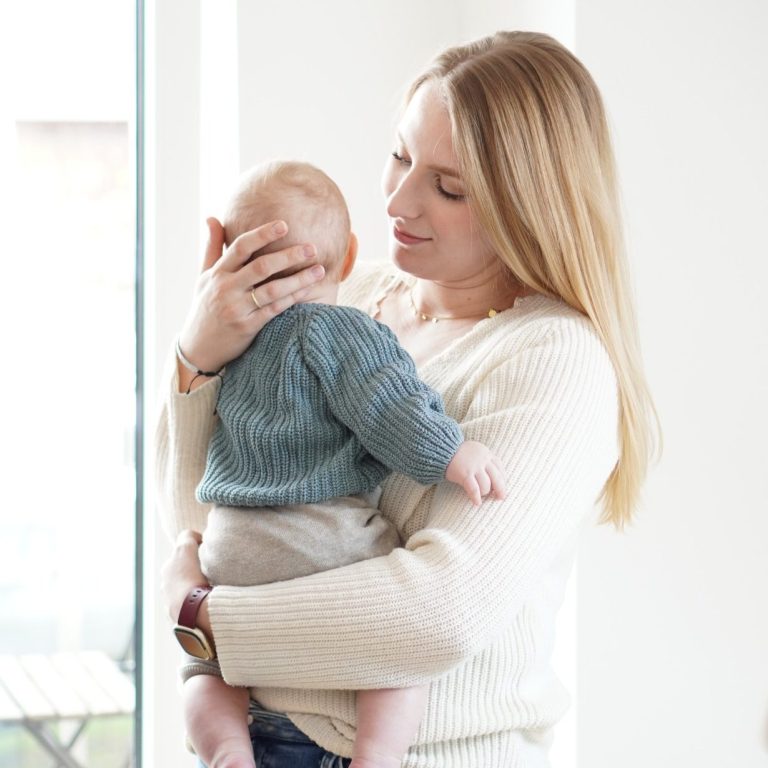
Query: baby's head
point(307, 200)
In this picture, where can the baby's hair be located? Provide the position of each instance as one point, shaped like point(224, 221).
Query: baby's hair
point(304, 197)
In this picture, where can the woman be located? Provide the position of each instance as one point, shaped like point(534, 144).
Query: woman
point(512, 297)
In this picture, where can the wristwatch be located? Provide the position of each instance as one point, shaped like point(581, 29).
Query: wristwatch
point(192, 639)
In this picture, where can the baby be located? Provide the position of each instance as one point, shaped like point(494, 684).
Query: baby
point(313, 416)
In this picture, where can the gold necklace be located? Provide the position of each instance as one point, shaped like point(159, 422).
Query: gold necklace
point(434, 318)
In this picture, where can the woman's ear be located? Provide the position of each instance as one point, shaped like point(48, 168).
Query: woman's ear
point(349, 258)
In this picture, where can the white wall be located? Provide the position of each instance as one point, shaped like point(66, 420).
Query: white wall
point(673, 628)
point(555, 17)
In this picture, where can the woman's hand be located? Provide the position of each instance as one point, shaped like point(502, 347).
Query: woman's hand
point(224, 317)
point(181, 572)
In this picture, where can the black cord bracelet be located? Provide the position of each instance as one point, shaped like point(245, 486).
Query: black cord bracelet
point(193, 368)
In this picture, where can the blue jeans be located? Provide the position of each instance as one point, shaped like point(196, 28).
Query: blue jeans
point(278, 743)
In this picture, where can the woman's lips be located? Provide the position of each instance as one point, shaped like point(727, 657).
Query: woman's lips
point(407, 239)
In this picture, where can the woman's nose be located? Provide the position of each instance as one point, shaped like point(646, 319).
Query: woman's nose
point(403, 198)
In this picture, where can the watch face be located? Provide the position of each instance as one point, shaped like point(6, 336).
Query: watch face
point(194, 642)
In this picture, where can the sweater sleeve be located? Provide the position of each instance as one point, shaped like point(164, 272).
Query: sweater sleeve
point(182, 434)
point(372, 386)
point(550, 412)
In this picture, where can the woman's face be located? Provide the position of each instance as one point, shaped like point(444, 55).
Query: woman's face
point(433, 234)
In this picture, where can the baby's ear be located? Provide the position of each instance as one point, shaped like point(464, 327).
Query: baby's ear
point(349, 258)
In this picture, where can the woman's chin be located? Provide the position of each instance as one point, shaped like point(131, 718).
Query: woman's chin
point(407, 261)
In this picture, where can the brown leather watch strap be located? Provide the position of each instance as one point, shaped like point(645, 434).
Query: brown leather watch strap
point(191, 606)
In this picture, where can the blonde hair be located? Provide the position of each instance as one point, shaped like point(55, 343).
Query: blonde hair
point(531, 139)
point(300, 194)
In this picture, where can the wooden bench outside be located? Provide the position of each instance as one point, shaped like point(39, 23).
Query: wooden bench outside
point(37, 690)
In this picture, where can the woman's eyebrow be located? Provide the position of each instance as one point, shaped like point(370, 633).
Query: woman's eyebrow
point(444, 170)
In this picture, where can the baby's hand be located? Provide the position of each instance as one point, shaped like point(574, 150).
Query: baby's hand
point(477, 471)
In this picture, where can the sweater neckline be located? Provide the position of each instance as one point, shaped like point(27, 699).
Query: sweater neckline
point(391, 279)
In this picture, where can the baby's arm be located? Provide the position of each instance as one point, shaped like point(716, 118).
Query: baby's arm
point(372, 386)
point(477, 471)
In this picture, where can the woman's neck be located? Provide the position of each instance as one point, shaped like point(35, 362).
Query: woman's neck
point(470, 299)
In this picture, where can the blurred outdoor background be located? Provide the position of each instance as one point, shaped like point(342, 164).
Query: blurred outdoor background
point(67, 195)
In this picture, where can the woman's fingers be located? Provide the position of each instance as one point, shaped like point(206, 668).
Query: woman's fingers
point(265, 313)
point(272, 294)
point(286, 260)
point(188, 536)
point(241, 250)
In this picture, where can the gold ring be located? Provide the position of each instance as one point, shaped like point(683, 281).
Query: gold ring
point(255, 300)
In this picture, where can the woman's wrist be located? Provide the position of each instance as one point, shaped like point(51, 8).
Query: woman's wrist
point(187, 380)
point(208, 372)
point(181, 573)
point(190, 376)
point(204, 622)
point(196, 353)
point(192, 624)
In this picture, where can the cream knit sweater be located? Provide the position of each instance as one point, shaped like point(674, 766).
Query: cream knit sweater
point(468, 604)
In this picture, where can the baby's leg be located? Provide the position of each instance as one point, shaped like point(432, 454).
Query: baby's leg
point(387, 722)
point(216, 717)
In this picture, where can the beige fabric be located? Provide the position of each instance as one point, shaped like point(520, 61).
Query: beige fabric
point(244, 546)
point(469, 602)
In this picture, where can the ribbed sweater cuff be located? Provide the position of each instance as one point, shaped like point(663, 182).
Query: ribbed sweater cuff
point(191, 423)
point(202, 398)
point(440, 445)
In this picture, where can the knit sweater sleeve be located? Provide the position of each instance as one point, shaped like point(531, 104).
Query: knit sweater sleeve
point(182, 434)
point(549, 411)
point(371, 385)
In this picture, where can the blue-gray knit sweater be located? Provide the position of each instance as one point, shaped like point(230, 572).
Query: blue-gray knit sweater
point(324, 403)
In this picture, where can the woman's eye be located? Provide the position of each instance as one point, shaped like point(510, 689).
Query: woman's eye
point(400, 158)
point(445, 193)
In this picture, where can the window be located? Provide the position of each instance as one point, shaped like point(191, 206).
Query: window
point(67, 310)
